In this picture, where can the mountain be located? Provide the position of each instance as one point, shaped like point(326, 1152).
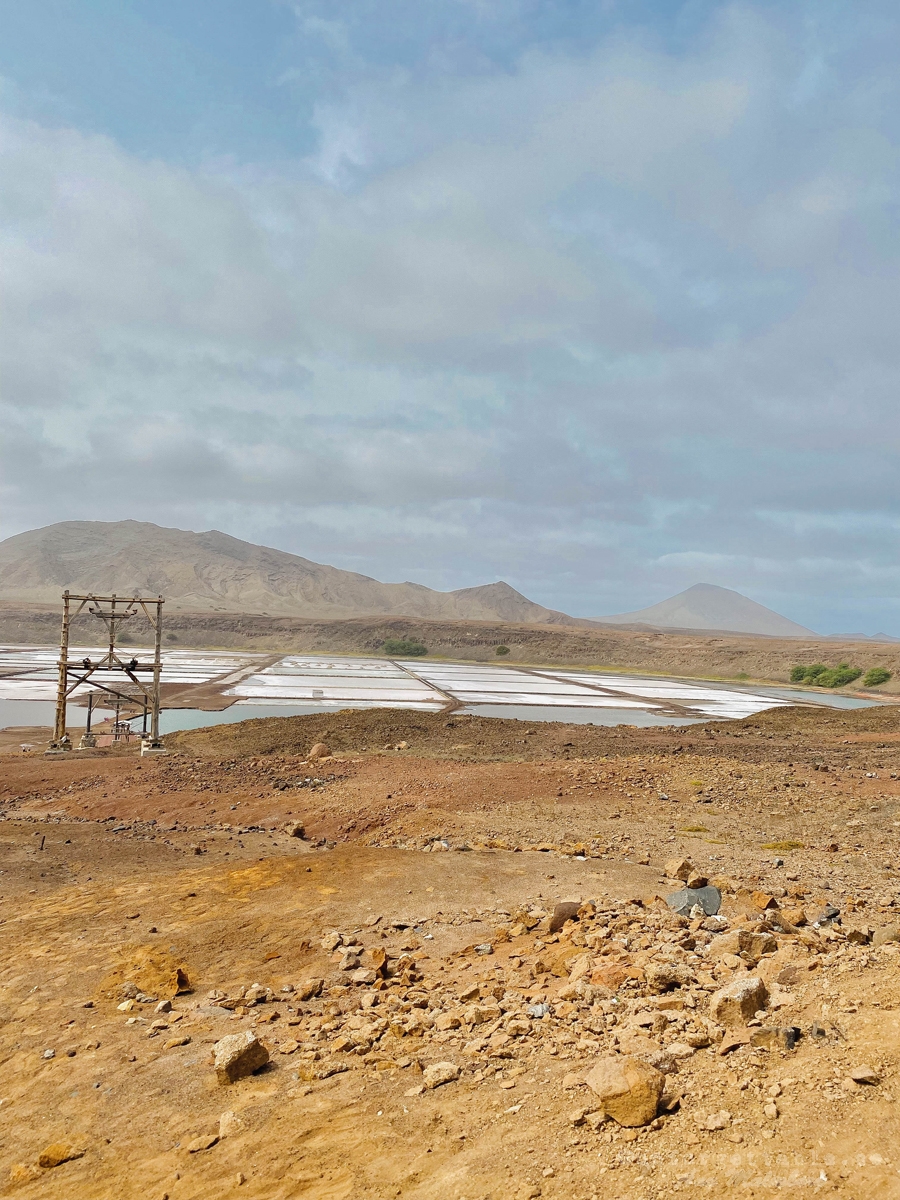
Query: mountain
point(705, 606)
point(861, 637)
point(213, 572)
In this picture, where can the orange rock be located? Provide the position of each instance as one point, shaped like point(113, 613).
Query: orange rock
point(23, 1173)
point(561, 965)
point(628, 1088)
point(58, 1153)
point(615, 975)
point(678, 868)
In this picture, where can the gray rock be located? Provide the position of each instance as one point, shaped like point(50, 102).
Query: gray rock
point(708, 898)
point(828, 916)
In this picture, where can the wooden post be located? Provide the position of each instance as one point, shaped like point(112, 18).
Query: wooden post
point(157, 666)
point(60, 739)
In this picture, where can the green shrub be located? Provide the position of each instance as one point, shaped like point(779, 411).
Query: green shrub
point(875, 676)
point(821, 676)
point(802, 674)
point(501, 650)
point(842, 674)
point(401, 648)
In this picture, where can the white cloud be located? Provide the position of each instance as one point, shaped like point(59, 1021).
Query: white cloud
point(604, 319)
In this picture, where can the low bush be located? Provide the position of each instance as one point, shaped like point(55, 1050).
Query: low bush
point(875, 676)
point(801, 674)
point(501, 650)
point(821, 676)
point(401, 648)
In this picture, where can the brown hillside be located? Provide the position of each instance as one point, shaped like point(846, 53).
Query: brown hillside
point(213, 572)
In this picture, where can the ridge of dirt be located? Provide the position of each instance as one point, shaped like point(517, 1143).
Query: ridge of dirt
point(770, 735)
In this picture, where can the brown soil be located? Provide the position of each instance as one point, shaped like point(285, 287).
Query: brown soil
point(119, 870)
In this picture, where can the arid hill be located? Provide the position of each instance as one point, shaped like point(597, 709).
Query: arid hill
point(213, 572)
point(708, 607)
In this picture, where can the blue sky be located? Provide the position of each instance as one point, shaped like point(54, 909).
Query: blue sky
point(598, 298)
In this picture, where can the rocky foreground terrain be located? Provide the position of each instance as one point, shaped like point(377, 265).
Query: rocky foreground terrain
point(436, 958)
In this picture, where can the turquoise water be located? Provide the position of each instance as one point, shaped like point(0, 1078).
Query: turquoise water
point(14, 713)
point(42, 712)
point(171, 720)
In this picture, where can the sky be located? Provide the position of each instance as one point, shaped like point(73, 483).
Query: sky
point(599, 297)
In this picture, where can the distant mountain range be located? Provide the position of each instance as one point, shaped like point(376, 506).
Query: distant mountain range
point(214, 572)
point(705, 606)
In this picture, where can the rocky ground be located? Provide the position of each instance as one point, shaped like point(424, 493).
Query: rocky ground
point(447, 950)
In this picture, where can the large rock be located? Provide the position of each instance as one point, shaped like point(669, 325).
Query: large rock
point(739, 1001)
point(566, 911)
point(58, 1153)
point(308, 988)
point(709, 899)
point(239, 1055)
point(678, 868)
point(440, 1073)
point(663, 977)
point(742, 942)
point(628, 1089)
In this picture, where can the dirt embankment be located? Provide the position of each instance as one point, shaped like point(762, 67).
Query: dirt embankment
point(779, 735)
point(726, 656)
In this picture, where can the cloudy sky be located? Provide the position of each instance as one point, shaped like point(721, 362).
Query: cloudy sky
point(599, 297)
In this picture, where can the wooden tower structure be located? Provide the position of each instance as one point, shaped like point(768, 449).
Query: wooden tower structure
point(122, 679)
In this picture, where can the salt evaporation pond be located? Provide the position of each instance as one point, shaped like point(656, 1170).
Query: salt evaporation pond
point(301, 684)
